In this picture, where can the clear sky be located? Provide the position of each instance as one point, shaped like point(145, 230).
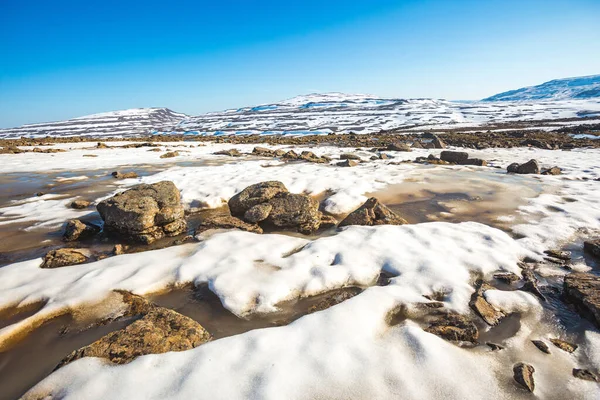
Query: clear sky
point(62, 59)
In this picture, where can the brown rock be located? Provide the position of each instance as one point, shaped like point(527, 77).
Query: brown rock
point(372, 212)
point(327, 221)
point(561, 255)
point(586, 375)
point(80, 204)
point(124, 175)
point(335, 297)
point(398, 147)
point(583, 290)
point(63, 258)
point(454, 327)
point(485, 310)
point(226, 222)
point(552, 171)
point(507, 277)
point(347, 163)
point(170, 154)
point(79, 230)
point(119, 249)
point(258, 213)
point(592, 247)
point(349, 156)
point(564, 345)
point(438, 143)
point(297, 211)
point(542, 346)
point(478, 162)
point(523, 374)
point(230, 153)
point(255, 194)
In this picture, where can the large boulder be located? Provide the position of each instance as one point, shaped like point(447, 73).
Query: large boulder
point(457, 157)
point(253, 195)
point(372, 212)
point(583, 290)
point(144, 213)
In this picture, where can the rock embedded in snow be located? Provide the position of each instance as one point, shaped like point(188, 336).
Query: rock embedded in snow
point(170, 154)
point(63, 258)
point(398, 147)
point(523, 374)
point(507, 277)
point(229, 152)
point(583, 290)
point(542, 346)
point(226, 222)
point(552, 171)
point(347, 163)
point(350, 156)
point(478, 162)
point(530, 167)
point(80, 204)
point(144, 213)
point(586, 375)
point(457, 157)
point(485, 310)
point(124, 175)
point(592, 247)
point(564, 345)
point(160, 330)
point(78, 230)
point(335, 297)
point(455, 328)
point(559, 254)
point(372, 212)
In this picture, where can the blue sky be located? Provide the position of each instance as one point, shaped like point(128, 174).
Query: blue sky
point(62, 59)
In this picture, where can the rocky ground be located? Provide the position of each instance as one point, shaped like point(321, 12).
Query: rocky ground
point(493, 274)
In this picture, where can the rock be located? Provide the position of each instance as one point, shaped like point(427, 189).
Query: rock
point(485, 310)
point(478, 162)
point(101, 145)
point(124, 175)
point(347, 163)
point(454, 327)
point(263, 152)
point(79, 230)
point(258, 213)
point(327, 221)
point(230, 153)
point(586, 375)
point(523, 374)
point(583, 290)
point(494, 346)
point(372, 212)
point(383, 156)
point(119, 249)
point(457, 157)
point(349, 156)
point(561, 255)
point(80, 204)
point(63, 258)
point(295, 211)
point(542, 346)
point(438, 143)
point(564, 345)
point(507, 277)
point(144, 213)
point(159, 331)
point(226, 222)
point(531, 284)
point(398, 147)
point(253, 195)
point(291, 155)
point(170, 154)
point(530, 167)
point(592, 247)
point(552, 171)
point(335, 297)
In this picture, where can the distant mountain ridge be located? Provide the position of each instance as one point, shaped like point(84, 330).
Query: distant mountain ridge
point(583, 87)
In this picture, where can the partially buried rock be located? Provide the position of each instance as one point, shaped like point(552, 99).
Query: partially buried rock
point(124, 175)
point(230, 153)
point(79, 230)
point(347, 163)
point(583, 290)
point(335, 297)
point(507, 277)
point(586, 375)
point(63, 258)
point(372, 212)
point(523, 374)
point(438, 143)
point(552, 171)
point(144, 213)
point(170, 154)
point(543, 347)
point(457, 157)
point(564, 345)
point(226, 222)
point(530, 167)
point(494, 346)
point(350, 156)
point(485, 310)
point(159, 331)
point(398, 147)
point(454, 327)
point(592, 247)
point(80, 204)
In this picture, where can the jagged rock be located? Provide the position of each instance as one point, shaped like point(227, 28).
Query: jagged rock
point(542, 346)
point(125, 175)
point(327, 221)
point(586, 375)
point(457, 157)
point(263, 151)
point(398, 147)
point(170, 154)
point(253, 195)
point(454, 327)
point(531, 283)
point(295, 211)
point(63, 258)
point(230, 153)
point(583, 290)
point(227, 222)
point(347, 163)
point(523, 374)
point(78, 230)
point(494, 346)
point(552, 171)
point(258, 213)
point(159, 331)
point(564, 345)
point(291, 155)
point(507, 277)
point(144, 213)
point(372, 212)
point(80, 204)
point(561, 255)
point(485, 310)
point(349, 156)
point(530, 167)
point(592, 247)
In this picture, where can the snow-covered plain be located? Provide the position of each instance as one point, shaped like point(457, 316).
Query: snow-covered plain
point(347, 351)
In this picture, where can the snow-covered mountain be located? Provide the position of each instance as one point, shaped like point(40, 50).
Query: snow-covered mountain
point(584, 87)
point(133, 122)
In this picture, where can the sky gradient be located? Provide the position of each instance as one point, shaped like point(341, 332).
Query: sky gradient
point(63, 59)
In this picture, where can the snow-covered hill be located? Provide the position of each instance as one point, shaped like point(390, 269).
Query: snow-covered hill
point(584, 87)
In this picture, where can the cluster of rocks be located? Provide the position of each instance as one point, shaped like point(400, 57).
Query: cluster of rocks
point(451, 157)
point(10, 149)
point(532, 167)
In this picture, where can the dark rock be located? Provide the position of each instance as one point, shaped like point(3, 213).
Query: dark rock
point(478, 162)
point(494, 346)
point(291, 155)
point(541, 345)
point(144, 213)
point(170, 154)
point(80, 204)
point(583, 290)
point(63, 258)
point(513, 168)
point(530, 167)
point(372, 212)
point(457, 157)
point(552, 171)
point(564, 345)
point(227, 222)
point(349, 156)
point(438, 143)
point(347, 163)
point(454, 327)
point(258, 213)
point(79, 230)
point(230, 153)
point(531, 283)
point(255, 194)
point(592, 247)
point(124, 175)
point(297, 211)
point(523, 374)
point(263, 152)
point(586, 375)
point(507, 277)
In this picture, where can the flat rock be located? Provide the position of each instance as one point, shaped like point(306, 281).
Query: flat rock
point(586, 375)
point(335, 297)
point(478, 162)
point(564, 345)
point(229, 152)
point(457, 157)
point(63, 258)
point(125, 175)
point(559, 254)
point(372, 212)
point(350, 156)
point(79, 230)
point(80, 204)
point(170, 154)
point(347, 163)
point(507, 277)
point(523, 374)
point(398, 147)
point(592, 247)
point(454, 327)
point(253, 195)
point(543, 347)
point(485, 310)
point(583, 290)
point(227, 222)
